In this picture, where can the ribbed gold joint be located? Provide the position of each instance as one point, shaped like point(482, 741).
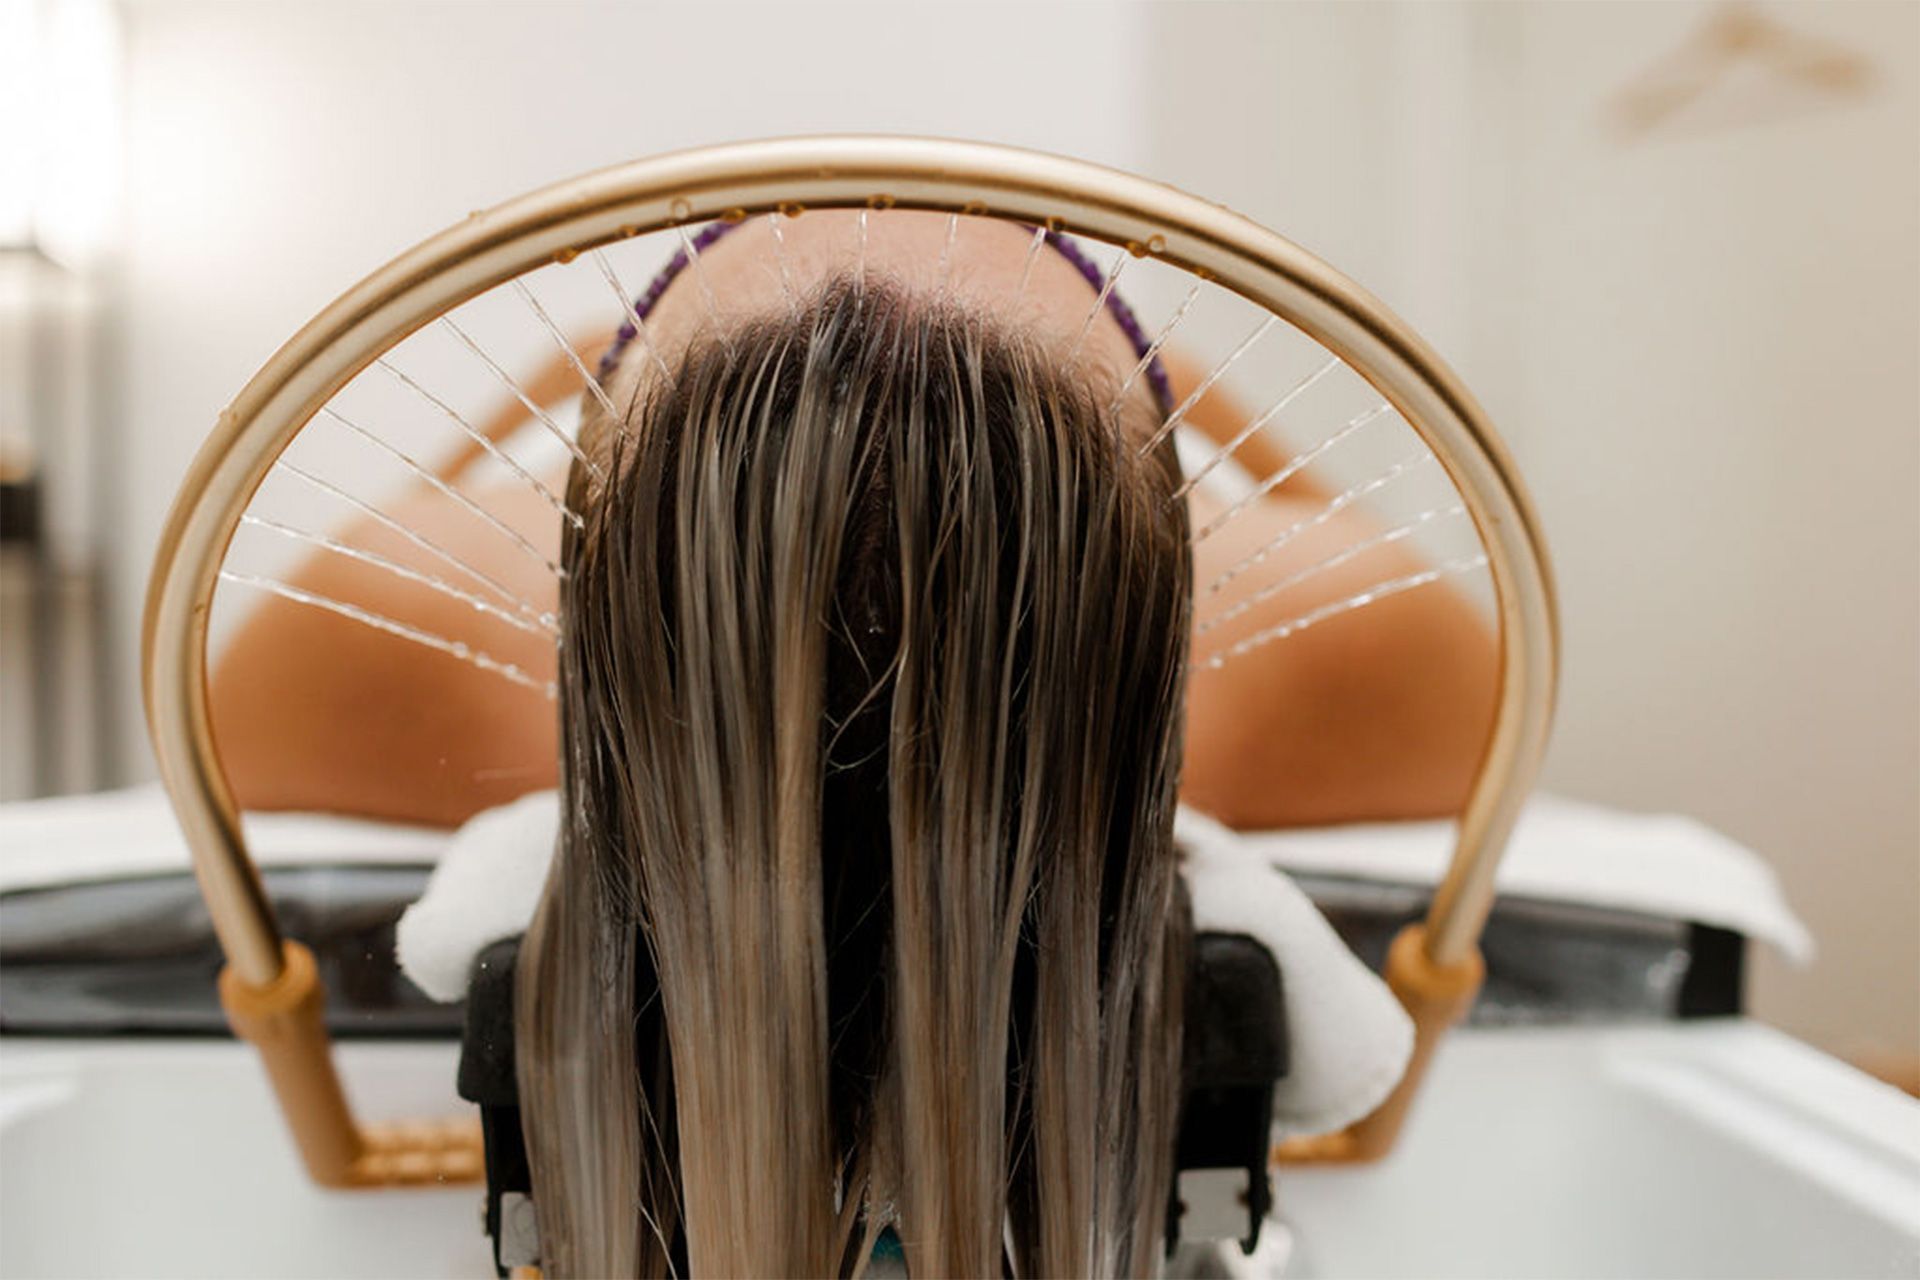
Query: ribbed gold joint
point(1435, 997)
point(284, 1019)
point(421, 1154)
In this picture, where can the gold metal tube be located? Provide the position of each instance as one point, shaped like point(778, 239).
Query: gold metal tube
point(561, 221)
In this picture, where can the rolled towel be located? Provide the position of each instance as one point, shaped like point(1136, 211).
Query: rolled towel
point(1349, 1038)
point(483, 889)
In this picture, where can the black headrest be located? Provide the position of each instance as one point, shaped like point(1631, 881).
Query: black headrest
point(1235, 1049)
point(486, 1040)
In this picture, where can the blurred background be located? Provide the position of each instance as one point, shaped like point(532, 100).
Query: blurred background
point(1675, 249)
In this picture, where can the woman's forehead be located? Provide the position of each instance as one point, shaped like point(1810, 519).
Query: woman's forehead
point(770, 263)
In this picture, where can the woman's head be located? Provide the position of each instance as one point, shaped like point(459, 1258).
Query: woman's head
point(864, 905)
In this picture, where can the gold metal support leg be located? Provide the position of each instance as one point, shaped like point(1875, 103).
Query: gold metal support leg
point(284, 1021)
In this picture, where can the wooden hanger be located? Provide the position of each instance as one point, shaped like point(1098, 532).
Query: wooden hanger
point(1736, 35)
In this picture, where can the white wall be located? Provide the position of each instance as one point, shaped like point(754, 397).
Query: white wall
point(1713, 369)
point(1703, 346)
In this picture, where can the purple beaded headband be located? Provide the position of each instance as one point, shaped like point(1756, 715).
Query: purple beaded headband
point(1072, 252)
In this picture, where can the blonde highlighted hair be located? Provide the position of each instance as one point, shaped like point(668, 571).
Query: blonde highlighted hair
point(864, 912)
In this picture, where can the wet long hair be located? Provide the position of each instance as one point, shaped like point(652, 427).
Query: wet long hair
point(864, 908)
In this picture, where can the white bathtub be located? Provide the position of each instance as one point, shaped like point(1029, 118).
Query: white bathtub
point(1698, 1149)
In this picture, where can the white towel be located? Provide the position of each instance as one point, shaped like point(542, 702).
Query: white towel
point(1349, 1037)
point(483, 889)
point(1657, 864)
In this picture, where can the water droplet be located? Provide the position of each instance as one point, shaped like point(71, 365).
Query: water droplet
point(792, 208)
point(1156, 244)
point(679, 210)
point(974, 208)
point(564, 256)
point(734, 217)
point(629, 231)
point(1055, 223)
point(1137, 249)
point(880, 202)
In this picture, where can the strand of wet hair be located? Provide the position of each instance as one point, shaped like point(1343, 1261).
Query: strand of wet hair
point(446, 490)
point(945, 270)
point(1148, 356)
point(1380, 591)
point(426, 544)
point(1111, 278)
point(598, 392)
point(419, 577)
point(1179, 415)
point(1293, 468)
point(1026, 265)
point(631, 311)
point(780, 260)
point(860, 253)
point(1254, 427)
point(691, 248)
point(380, 622)
point(480, 438)
point(1334, 506)
point(519, 393)
point(1334, 561)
